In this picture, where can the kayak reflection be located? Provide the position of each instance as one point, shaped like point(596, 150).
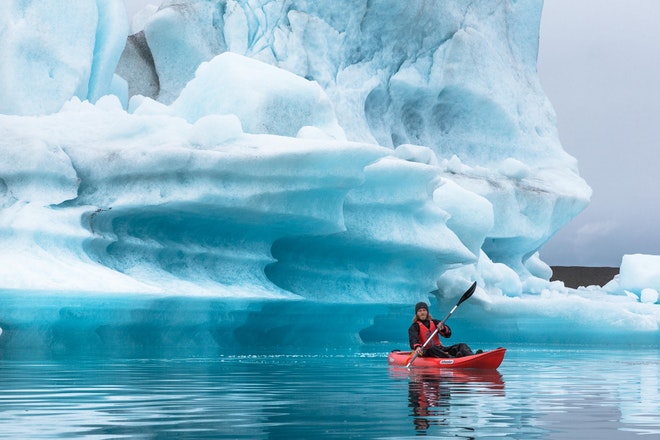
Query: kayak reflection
point(432, 391)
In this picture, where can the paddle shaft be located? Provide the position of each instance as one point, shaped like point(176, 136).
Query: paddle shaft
point(468, 293)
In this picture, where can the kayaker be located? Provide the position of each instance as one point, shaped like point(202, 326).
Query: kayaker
point(421, 329)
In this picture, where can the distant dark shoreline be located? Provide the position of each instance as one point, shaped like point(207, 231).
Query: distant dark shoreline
point(576, 276)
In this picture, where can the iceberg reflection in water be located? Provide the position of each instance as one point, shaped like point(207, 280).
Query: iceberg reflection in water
point(534, 394)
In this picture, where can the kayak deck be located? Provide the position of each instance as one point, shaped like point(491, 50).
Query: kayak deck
point(486, 360)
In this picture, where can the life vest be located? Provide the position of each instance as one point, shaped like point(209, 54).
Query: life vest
point(424, 334)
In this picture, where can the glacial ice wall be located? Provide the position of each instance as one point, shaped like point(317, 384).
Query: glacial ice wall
point(455, 77)
point(274, 157)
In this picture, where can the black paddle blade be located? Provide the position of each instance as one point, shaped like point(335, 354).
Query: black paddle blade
point(468, 293)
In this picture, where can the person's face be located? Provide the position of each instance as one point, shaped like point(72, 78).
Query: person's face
point(422, 314)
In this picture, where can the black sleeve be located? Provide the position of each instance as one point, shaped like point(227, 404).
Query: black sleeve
point(413, 335)
point(446, 332)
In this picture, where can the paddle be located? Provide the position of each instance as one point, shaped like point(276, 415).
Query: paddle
point(468, 293)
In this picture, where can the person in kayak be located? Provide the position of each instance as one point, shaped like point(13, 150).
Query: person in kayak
point(421, 329)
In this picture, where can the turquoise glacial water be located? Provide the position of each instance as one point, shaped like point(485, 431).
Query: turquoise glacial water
point(553, 393)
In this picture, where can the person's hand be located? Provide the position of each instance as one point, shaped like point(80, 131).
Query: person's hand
point(419, 351)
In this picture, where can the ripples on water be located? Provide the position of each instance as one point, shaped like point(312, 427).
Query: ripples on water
point(551, 394)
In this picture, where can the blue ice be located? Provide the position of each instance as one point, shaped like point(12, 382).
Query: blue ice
point(314, 166)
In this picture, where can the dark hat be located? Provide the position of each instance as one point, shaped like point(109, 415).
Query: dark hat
point(421, 305)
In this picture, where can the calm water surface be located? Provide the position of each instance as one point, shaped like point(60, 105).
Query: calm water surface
point(535, 394)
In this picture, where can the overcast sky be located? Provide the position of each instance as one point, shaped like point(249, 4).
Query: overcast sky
point(599, 63)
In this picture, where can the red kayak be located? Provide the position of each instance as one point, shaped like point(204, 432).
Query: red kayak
point(486, 360)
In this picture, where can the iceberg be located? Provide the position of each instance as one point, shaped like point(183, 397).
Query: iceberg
point(311, 166)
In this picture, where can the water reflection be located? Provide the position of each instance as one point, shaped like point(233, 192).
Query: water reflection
point(430, 392)
point(429, 397)
point(601, 394)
